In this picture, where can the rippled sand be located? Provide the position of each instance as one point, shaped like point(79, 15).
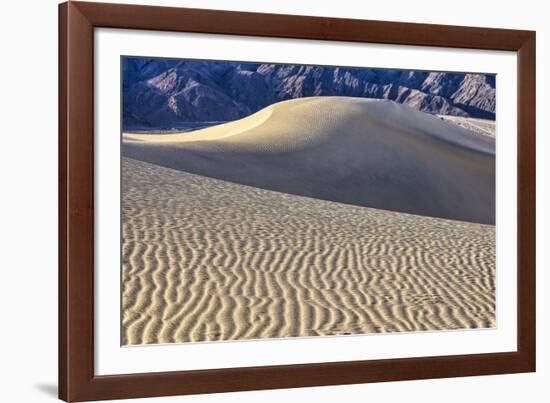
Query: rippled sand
point(205, 259)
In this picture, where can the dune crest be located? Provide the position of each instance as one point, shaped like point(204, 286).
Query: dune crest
point(359, 151)
point(213, 133)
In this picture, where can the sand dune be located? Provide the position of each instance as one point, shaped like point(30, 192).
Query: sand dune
point(205, 259)
point(352, 150)
point(485, 127)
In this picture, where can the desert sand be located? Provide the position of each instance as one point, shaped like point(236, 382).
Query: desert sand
point(295, 221)
point(484, 127)
point(365, 152)
point(205, 259)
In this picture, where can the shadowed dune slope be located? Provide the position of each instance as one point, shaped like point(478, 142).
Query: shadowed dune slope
point(358, 151)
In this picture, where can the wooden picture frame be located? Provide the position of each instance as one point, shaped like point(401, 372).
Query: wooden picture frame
point(77, 381)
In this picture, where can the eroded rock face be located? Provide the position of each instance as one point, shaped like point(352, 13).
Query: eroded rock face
point(165, 93)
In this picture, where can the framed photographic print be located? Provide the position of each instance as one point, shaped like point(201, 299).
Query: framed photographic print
point(253, 201)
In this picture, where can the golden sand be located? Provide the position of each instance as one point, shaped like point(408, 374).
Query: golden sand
point(351, 150)
point(205, 259)
point(294, 222)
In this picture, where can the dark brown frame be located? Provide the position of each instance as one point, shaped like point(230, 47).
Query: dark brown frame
point(77, 381)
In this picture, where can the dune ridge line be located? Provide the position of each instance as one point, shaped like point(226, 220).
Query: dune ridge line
point(365, 152)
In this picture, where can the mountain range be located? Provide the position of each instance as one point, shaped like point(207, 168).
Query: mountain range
point(174, 93)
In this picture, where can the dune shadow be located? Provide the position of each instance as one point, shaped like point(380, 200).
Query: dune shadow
point(355, 151)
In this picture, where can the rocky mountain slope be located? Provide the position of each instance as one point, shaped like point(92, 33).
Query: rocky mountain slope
point(166, 93)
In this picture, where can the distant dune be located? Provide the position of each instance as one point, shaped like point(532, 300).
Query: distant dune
point(205, 259)
point(485, 127)
point(358, 151)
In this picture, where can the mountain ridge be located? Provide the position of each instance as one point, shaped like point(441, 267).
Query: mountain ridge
point(163, 93)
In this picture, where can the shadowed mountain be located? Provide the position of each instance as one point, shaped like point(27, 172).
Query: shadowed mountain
point(162, 94)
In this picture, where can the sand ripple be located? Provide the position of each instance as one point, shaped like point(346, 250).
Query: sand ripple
point(205, 259)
